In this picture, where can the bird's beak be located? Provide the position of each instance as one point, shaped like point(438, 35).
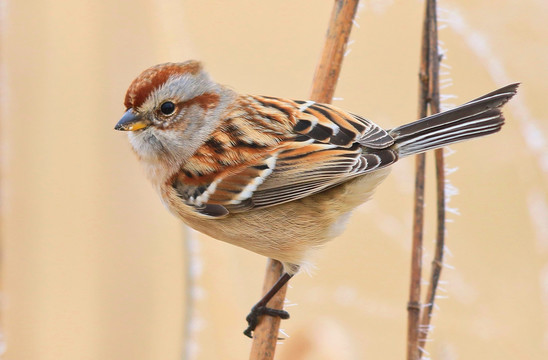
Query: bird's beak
point(131, 121)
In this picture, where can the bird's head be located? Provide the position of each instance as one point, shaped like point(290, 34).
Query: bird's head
point(171, 109)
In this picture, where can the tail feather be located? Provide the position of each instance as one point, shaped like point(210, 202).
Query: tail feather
point(479, 117)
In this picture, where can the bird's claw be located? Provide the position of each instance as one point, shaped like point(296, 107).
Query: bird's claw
point(257, 311)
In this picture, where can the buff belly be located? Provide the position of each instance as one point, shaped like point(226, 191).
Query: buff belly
point(288, 232)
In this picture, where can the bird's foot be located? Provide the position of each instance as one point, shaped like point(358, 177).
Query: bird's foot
point(258, 311)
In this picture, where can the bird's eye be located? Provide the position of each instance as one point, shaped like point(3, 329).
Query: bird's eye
point(167, 108)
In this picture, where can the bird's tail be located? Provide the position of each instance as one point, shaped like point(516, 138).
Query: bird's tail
point(479, 117)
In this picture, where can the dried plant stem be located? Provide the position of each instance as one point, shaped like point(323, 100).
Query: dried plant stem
point(329, 67)
point(437, 262)
point(327, 73)
point(434, 92)
point(418, 324)
point(414, 306)
point(265, 336)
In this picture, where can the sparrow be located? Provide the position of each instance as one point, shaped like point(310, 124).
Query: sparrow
point(275, 176)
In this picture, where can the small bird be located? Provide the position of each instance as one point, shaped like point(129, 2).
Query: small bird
point(275, 176)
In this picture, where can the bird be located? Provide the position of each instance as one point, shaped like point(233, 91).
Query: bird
point(276, 176)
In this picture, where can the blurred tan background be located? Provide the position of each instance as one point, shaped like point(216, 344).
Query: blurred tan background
point(93, 266)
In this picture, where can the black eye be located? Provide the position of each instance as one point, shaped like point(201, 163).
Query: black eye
point(167, 108)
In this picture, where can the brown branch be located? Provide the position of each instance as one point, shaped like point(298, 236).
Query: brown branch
point(437, 262)
point(327, 73)
point(329, 67)
point(428, 95)
point(414, 305)
point(434, 90)
point(265, 336)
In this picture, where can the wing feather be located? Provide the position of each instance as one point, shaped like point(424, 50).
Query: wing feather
point(271, 151)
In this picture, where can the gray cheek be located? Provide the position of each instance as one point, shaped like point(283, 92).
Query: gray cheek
point(194, 119)
point(198, 124)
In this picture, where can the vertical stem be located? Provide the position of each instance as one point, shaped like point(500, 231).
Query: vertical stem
point(265, 336)
point(329, 67)
point(438, 252)
point(433, 85)
point(323, 87)
point(414, 306)
point(428, 95)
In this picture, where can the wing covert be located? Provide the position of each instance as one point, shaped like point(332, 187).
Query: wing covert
point(299, 148)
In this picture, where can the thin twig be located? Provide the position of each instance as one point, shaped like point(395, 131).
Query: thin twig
point(265, 336)
point(327, 73)
point(434, 90)
point(428, 95)
point(329, 67)
point(414, 306)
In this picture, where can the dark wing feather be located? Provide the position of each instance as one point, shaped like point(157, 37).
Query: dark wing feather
point(227, 191)
point(326, 123)
point(300, 148)
point(321, 168)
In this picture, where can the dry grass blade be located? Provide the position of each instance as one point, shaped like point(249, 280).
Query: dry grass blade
point(323, 87)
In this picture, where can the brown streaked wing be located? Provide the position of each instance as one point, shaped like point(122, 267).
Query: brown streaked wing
point(326, 123)
point(225, 191)
point(306, 170)
point(236, 158)
point(271, 151)
point(329, 124)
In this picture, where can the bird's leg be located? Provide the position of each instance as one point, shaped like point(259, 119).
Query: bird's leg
point(260, 309)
